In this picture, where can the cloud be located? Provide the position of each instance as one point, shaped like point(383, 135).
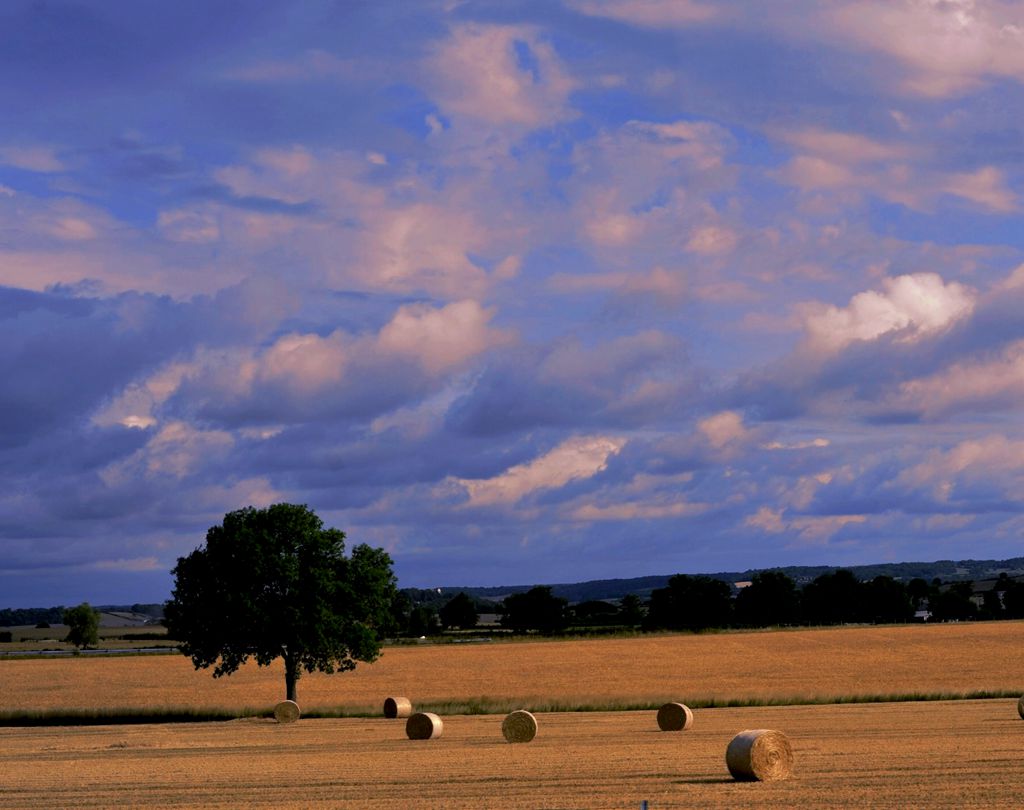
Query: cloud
point(501, 76)
point(993, 463)
point(973, 385)
point(643, 497)
point(575, 458)
point(987, 187)
point(41, 159)
point(441, 339)
point(176, 450)
point(724, 429)
point(612, 383)
point(947, 46)
point(910, 308)
point(310, 65)
point(808, 530)
point(649, 13)
point(184, 225)
point(911, 175)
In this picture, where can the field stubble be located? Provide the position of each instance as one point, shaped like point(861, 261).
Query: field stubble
point(612, 673)
point(872, 755)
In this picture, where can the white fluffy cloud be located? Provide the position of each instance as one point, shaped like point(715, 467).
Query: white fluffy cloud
point(910, 307)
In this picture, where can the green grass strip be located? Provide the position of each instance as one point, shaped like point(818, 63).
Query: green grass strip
point(474, 706)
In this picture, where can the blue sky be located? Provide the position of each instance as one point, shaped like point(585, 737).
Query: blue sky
point(519, 291)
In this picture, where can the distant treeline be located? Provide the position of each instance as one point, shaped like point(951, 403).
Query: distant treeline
point(945, 570)
point(696, 603)
point(18, 617)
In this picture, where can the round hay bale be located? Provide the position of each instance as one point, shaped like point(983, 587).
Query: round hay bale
point(1020, 707)
point(287, 711)
point(397, 707)
point(519, 726)
point(423, 726)
point(675, 717)
point(760, 754)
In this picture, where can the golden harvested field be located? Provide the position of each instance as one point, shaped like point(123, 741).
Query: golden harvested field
point(964, 754)
point(951, 658)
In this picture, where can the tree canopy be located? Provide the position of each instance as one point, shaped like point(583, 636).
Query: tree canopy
point(537, 609)
point(459, 611)
point(690, 603)
point(83, 625)
point(273, 583)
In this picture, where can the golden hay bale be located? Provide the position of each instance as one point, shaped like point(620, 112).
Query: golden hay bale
point(675, 717)
point(397, 707)
point(287, 711)
point(1020, 707)
point(519, 726)
point(760, 754)
point(423, 726)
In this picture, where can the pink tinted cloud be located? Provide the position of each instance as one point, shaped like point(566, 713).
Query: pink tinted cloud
point(478, 76)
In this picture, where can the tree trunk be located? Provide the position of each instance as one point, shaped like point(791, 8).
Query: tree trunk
point(291, 676)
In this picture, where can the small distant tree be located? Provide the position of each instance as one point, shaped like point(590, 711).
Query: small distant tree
point(537, 609)
point(885, 600)
point(690, 603)
point(274, 583)
point(631, 612)
point(459, 611)
point(595, 612)
point(771, 599)
point(953, 603)
point(1013, 600)
point(423, 622)
point(833, 598)
point(83, 625)
point(918, 590)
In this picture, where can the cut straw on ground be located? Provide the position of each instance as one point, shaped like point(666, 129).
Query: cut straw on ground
point(476, 706)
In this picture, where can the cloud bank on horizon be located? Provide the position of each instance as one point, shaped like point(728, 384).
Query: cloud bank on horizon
point(520, 291)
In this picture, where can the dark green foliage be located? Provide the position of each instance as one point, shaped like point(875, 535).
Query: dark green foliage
point(918, 590)
point(537, 609)
point(1013, 600)
point(423, 622)
point(6, 637)
point(83, 625)
point(30, 616)
point(631, 612)
point(886, 601)
point(833, 598)
point(275, 583)
point(595, 612)
point(690, 603)
point(460, 612)
point(771, 600)
point(953, 603)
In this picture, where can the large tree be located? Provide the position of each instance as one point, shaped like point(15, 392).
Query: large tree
point(275, 583)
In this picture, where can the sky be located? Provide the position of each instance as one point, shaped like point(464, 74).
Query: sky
point(519, 291)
